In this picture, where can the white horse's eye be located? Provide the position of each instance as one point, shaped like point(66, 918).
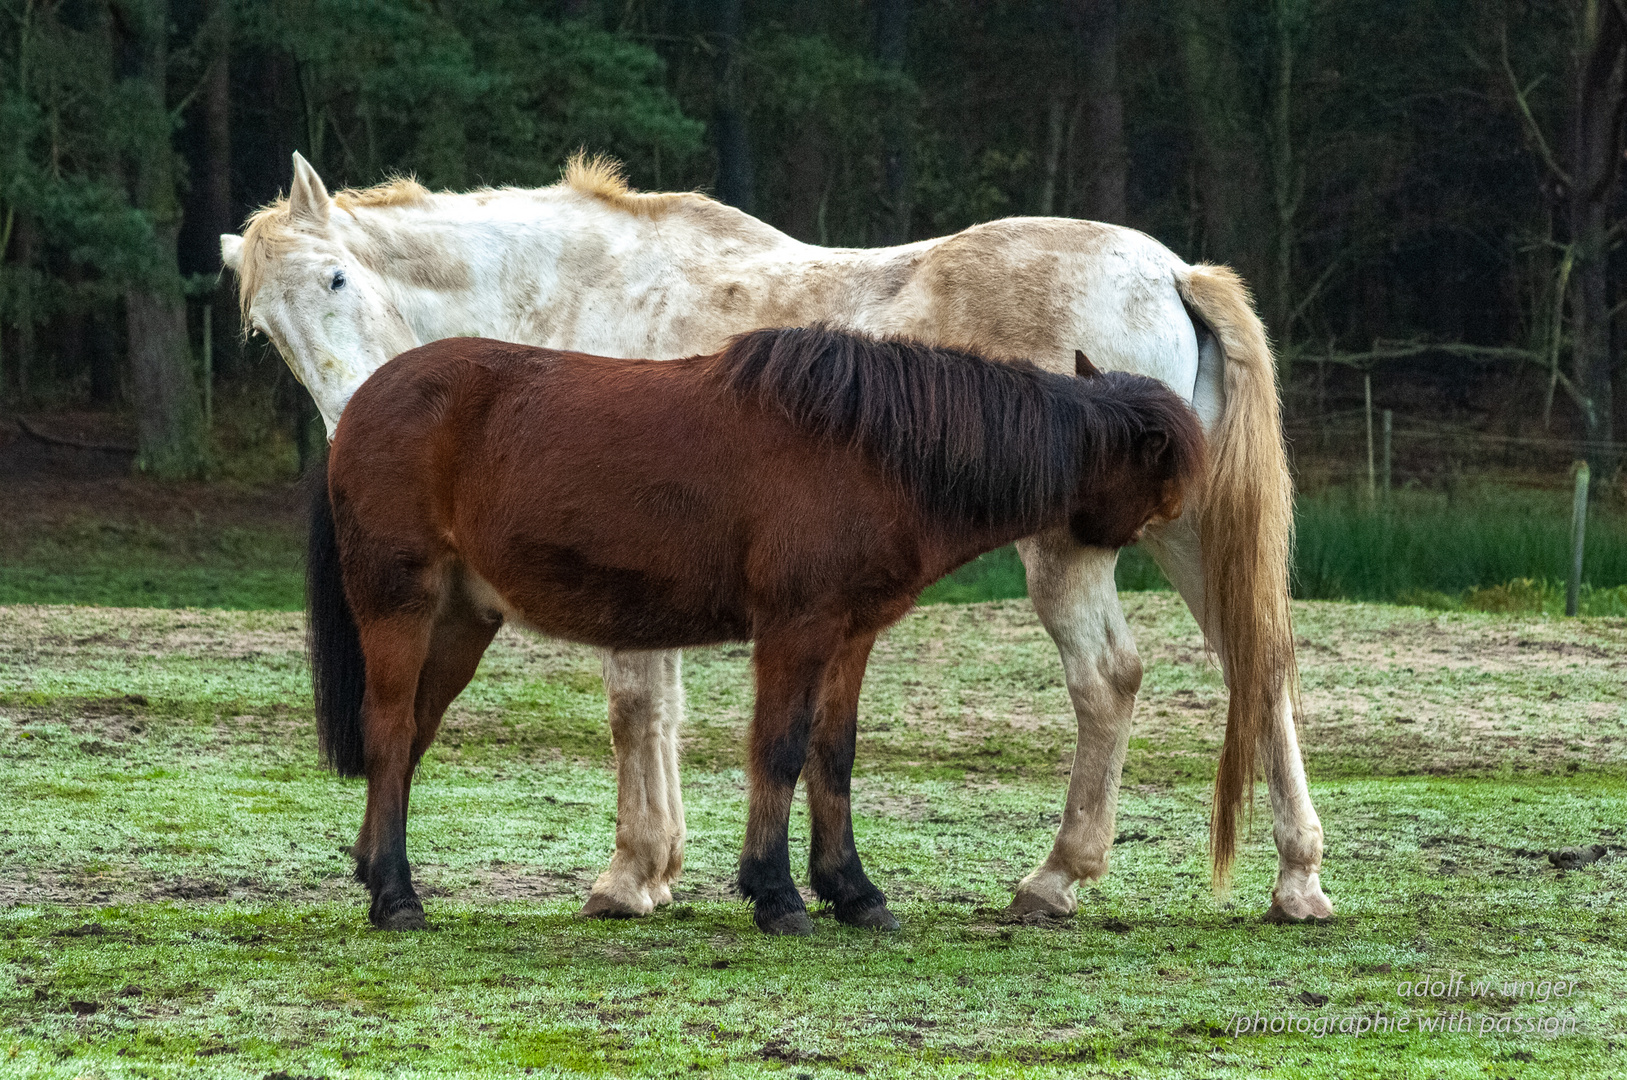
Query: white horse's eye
point(338, 281)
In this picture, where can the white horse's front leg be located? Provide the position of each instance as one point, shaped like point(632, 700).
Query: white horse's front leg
point(646, 711)
point(1295, 825)
point(672, 716)
point(1073, 592)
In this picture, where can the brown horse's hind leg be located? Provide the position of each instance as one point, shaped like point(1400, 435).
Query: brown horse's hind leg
point(396, 648)
point(459, 639)
point(461, 636)
point(833, 860)
point(789, 673)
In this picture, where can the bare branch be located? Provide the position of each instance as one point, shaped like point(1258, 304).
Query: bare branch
point(57, 440)
point(1402, 350)
point(1533, 130)
point(1315, 289)
point(1565, 266)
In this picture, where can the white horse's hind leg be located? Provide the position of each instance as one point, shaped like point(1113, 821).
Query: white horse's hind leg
point(645, 713)
point(1073, 592)
point(1295, 826)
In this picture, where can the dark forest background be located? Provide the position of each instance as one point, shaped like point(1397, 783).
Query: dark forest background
point(1425, 194)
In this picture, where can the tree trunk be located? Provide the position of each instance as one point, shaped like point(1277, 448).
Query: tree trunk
point(25, 307)
point(805, 182)
point(102, 347)
point(217, 103)
point(293, 402)
point(73, 325)
point(1056, 126)
point(734, 168)
point(892, 36)
point(1230, 203)
point(808, 156)
point(217, 180)
point(1094, 27)
point(1596, 145)
point(169, 417)
point(8, 224)
point(1288, 19)
point(169, 420)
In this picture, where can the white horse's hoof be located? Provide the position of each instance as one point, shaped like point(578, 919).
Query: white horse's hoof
point(1045, 893)
point(617, 904)
point(1305, 904)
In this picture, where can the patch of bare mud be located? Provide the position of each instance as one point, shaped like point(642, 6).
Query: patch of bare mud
point(103, 890)
point(1396, 639)
point(46, 633)
point(1397, 687)
point(496, 883)
point(982, 684)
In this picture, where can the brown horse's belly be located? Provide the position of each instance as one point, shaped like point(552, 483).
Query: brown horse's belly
point(562, 594)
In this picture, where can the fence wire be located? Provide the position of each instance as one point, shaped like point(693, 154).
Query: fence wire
point(1333, 447)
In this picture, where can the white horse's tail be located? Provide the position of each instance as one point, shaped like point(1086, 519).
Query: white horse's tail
point(1246, 538)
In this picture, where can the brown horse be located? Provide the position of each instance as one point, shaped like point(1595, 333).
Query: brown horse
point(798, 490)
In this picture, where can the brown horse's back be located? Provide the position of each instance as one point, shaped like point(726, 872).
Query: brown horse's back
point(620, 503)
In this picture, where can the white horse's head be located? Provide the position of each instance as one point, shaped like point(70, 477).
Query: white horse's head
point(302, 284)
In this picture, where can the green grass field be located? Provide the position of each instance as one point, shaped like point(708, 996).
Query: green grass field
point(173, 901)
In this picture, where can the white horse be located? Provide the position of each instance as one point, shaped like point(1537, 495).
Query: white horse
point(340, 284)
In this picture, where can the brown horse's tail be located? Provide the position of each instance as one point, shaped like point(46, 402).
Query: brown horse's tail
point(338, 670)
point(1246, 539)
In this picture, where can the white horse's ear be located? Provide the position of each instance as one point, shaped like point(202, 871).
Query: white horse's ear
point(231, 252)
point(308, 199)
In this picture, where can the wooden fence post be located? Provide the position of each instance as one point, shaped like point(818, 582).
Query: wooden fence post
point(1389, 423)
point(1367, 388)
point(208, 367)
point(1573, 591)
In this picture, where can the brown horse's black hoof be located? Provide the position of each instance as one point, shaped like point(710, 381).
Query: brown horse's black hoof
point(786, 923)
point(874, 917)
point(407, 915)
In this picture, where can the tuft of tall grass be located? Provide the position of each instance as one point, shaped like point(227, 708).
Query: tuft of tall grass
point(1435, 549)
point(1478, 537)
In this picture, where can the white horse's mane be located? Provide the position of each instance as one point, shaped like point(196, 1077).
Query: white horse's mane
point(604, 178)
point(270, 231)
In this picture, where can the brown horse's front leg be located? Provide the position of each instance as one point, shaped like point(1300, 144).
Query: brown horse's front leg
point(789, 671)
point(395, 649)
point(833, 860)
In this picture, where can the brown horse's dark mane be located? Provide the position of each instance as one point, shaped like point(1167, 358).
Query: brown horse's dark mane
point(974, 440)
